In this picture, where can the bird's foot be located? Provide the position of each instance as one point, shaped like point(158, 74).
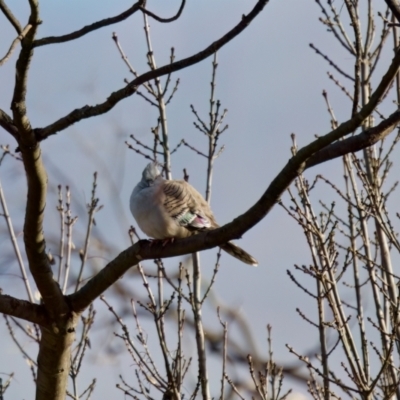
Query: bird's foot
point(167, 241)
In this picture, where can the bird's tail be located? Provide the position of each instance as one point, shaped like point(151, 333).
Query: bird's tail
point(239, 253)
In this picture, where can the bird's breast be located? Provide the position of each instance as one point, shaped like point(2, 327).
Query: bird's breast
point(149, 212)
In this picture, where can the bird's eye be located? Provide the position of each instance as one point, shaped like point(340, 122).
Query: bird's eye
point(150, 182)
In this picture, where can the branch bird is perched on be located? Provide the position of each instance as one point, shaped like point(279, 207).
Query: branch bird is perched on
point(167, 209)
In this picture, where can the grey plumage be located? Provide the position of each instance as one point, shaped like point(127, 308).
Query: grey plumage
point(167, 209)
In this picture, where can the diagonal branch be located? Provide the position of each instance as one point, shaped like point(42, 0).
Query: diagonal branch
point(14, 44)
point(15, 245)
point(89, 28)
point(131, 88)
point(394, 8)
point(10, 16)
point(23, 309)
point(235, 229)
point(355, 143)
point(164, 20)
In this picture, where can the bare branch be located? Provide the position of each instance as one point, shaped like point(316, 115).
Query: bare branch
point(183, 141)
point(92, 209)
point(15, 244)
point(14, 44)
point(159, 19)
point(345, 41)
point(355, 23)
point(17, 342)
point(224, 351)
point(199, 329)
point(18, 104)
point(23, 309)
point(35, 244)
point(357, 142)
point(7, 124)
point(159, 97)
point(394, 8)
point(115, 97)
point(10, 16)
point(331, 63)
point(89, 28)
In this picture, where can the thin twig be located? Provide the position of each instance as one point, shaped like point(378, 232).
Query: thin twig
point(15, 245)
point(14, 44)
point(224, 352)
point(92, 209)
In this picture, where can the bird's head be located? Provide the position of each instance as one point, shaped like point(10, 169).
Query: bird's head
point(150, 173)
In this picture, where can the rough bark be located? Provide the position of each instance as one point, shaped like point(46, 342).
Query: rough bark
point(55, 357)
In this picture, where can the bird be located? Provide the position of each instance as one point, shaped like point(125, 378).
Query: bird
point(169, 209)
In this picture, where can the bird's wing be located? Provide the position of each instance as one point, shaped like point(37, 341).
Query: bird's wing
point(184, 204)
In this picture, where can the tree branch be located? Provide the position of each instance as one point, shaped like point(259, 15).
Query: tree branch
point(7, 124)
point(14, 44)
point(10, 16)
point(115, 97)
point(23, 309)
point(357, 142)
point(89, 28)
point(164, 20)
point(18, 104)
point(35, 244)
point(394, 8)
point(235, 229)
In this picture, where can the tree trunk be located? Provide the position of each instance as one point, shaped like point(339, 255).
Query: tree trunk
point(54, 359)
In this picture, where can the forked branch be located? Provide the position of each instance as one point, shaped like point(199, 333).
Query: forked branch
point(355, 143)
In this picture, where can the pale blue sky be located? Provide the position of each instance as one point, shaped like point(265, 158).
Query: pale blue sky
point(269, 80)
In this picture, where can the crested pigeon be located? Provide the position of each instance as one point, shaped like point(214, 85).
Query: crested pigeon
point(167, 209)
